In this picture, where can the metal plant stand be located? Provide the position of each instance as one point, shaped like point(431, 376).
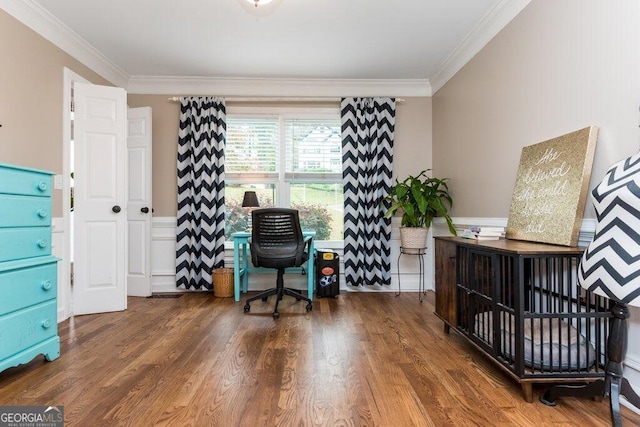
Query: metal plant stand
point(420, 252)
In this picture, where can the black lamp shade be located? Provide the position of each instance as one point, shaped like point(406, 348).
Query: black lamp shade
point(250, 200)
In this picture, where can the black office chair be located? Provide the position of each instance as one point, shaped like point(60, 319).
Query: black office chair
point(277, 242)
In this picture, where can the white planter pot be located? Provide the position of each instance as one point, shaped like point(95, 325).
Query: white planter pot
point(413, 237)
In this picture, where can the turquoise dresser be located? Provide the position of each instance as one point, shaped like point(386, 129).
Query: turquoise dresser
point(28, 271)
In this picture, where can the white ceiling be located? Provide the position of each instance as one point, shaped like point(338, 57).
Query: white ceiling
point(365, 40)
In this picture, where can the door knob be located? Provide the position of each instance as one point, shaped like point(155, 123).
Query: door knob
point(116, 208)
point(144, 210)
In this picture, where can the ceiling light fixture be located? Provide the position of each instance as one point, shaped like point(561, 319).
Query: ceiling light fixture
point(257, 3)
point(260, 8)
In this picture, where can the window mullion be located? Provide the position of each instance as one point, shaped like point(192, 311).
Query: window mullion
point(283, 186)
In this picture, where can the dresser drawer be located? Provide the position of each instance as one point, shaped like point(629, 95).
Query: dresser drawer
point(19, 180)
point(27, 286)
point(18, 243)
point(22, 329)
point(24, 211)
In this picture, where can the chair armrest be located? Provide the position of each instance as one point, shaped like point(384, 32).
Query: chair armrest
point(306, 245)
point(307, 242)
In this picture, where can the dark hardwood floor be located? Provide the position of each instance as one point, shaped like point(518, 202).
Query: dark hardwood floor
point(363, 359)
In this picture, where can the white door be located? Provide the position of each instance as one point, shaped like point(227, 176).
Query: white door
point(139, 202)
point(99, 199)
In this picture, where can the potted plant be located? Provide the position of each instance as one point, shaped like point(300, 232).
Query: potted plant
point(421, 198)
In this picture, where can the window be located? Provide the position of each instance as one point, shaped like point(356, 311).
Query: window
point(291, 158)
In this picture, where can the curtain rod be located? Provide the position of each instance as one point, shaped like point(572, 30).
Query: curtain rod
point(276, 99)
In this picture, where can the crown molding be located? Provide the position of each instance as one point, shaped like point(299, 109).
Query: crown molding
point(492, 23)
point(157, 85)
point(48, 26)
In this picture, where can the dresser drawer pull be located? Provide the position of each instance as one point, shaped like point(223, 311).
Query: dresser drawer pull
point(46, 285)
point(42, 186)
point(42, 213)
point(42, 243)
point(46, 323)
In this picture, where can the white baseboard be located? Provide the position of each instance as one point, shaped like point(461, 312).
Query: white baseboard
point(632, 374)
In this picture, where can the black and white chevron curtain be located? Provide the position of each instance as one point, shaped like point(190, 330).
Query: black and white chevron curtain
point(367, 159)
point(200, 217)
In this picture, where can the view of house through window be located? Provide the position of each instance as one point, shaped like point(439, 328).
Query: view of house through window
point(290, 159)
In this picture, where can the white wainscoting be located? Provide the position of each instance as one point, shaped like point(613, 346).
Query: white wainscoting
point(57, 244)
point(163, 248)
point(163, 254)
point(163, 261)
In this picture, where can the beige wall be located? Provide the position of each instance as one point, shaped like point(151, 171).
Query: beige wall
point(412, 149)
point(31, 98)
point(557, 67)
point(413, 137)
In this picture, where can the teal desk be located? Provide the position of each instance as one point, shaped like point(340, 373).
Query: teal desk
point(241, 266)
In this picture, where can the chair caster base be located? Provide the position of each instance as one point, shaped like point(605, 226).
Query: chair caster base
point(276, 315)
point(309, 307)
point(247, 307)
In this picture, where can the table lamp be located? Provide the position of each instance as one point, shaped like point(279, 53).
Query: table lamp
point(250, 200)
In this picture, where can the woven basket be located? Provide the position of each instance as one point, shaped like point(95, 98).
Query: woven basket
point(413, 237)
point(223, 282)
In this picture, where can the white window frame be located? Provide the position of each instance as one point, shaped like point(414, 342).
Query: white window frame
point(282, 179)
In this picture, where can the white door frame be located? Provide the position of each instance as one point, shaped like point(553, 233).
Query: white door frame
point(64, 266)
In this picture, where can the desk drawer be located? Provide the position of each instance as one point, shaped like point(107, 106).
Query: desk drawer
point(24, 211)
point(26, 287)
point(22, 329)
point(17, 180)
point(18, 243)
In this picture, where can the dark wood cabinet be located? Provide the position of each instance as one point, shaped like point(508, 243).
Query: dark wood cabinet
point(445, 282)
point(520, 304)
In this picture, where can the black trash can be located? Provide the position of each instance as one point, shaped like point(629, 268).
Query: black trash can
point(327, 273)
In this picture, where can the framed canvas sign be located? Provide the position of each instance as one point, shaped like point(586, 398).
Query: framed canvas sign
point(551, 189)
